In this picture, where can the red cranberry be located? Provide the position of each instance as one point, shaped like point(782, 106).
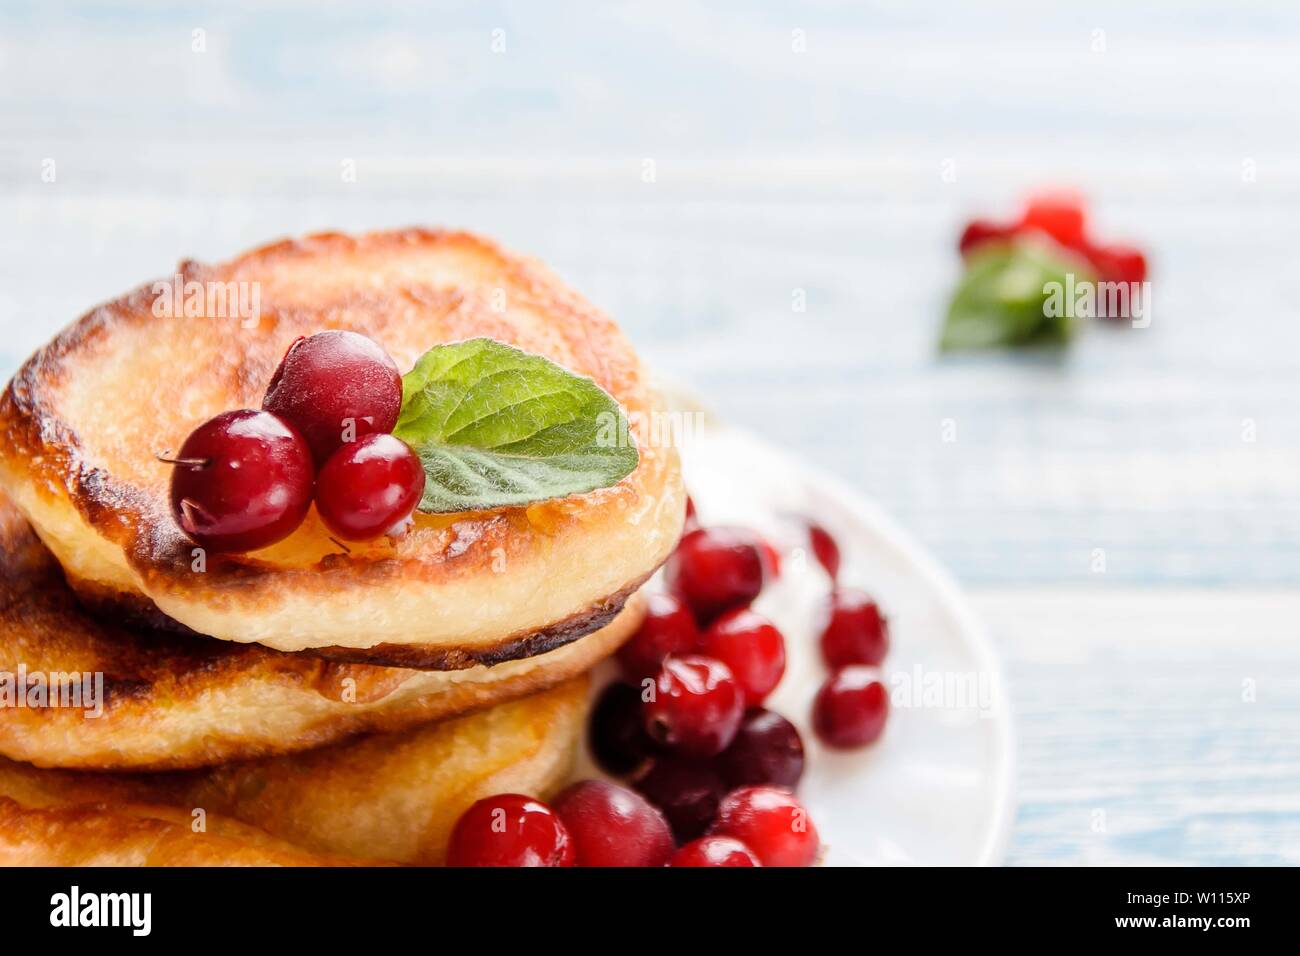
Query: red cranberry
point(751, 646)
point(697, 706)
point(772, 823)
point(616, 732)
point(1060, 214)
point(1118, 263)
point(614, 826)
point(369, 486)
point(333, 386)
point(716, 569)
point(855, 632)
point(824, 549)
point(771, 559)
point(851, 707)
point(241, 481)
point(668, 628)
point(767, 750)
point(715, 851)
point(510, 829)
point(980, 231)
point(687, 791)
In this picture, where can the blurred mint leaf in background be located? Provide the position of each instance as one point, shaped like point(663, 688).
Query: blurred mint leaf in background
point(1001, 301)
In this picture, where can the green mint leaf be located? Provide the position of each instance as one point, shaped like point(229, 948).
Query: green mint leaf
point(498, 427)
point(1001, 301)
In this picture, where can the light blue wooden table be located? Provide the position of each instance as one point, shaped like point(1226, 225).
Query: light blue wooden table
point(697, 172)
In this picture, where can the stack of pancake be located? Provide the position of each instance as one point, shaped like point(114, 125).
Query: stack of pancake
point(306, 703)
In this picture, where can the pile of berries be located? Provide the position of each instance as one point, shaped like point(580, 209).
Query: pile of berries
point(1061, 216)
point(246, 479)
point(710, 772)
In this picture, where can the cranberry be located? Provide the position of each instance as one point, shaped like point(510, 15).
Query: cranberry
point(772, 823)
point(1118, 263)
point(751, 646)
point(1059, 214)
point(510, 829)
point(716, 569)
point(616, 732)
point(333, 385)
point(241, 481)
point(687, 791)
point(824, 549)
point(771, 559)
point(767, 749)
point(851, 707)
point(668, 628)
point(369, 486)
point(614, 826)
point(715, 851)
point(696, 707)
point(855, 630)
point(980, 231)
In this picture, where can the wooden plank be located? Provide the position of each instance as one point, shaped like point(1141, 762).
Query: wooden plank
point(1157, 727)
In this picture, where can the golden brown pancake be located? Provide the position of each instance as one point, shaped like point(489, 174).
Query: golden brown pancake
point(138, 835)
point(174, 701)
point(82, 421)
point(391, 796)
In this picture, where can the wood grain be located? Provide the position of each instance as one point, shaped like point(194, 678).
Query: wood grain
point(839, 175)
point(1154, 727)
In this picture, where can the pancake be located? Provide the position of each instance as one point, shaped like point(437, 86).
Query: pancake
point(82, 421)
point(392, 796)
point(172, 701)
point(137, 835)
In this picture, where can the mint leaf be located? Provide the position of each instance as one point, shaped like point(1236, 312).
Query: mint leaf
point(498, 427)
point(1001, 299)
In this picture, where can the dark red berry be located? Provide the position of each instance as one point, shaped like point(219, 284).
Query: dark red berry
point(980, 231)
point(241, 481)
point(668, 628)
point(369, 486)
point(716, 569)
point(767, 750)
point(696, 707)
point(614, 826)
point(715, 851)
point(851, 708)
point(616, 732)
point(854, 630)
point(510, 829)
point(687, 791)
point(824, 549)
point(751, 646)
point(1060, 214)
point(334, 387)
point(772, 823)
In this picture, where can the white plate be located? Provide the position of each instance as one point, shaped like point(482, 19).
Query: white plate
point(937, 788)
